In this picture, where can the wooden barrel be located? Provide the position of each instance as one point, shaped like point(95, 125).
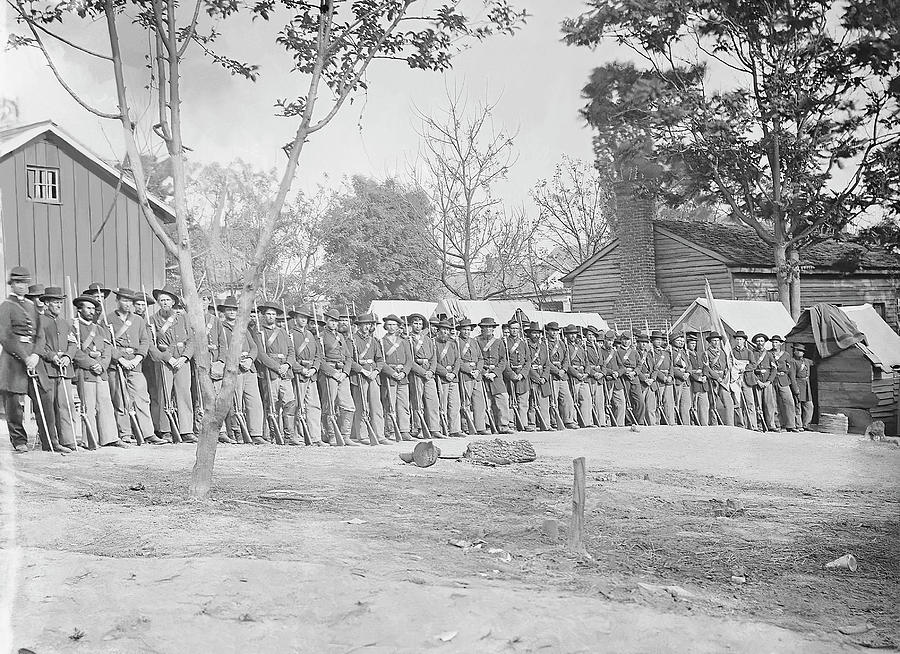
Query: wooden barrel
point(833, 423)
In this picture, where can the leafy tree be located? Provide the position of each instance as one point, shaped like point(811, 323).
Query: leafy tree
point(330, 46)
point(795, 137)
point(375, 244)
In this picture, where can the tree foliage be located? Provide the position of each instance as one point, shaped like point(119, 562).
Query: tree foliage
point(776, 109)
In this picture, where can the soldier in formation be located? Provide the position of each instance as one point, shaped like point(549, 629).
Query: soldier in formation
point(110, 376)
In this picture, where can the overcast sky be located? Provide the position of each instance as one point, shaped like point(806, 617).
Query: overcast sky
point(535, 79)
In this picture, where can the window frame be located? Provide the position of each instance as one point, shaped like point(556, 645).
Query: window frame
point(35, 178)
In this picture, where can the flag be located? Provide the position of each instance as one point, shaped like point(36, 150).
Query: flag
point(714, 318)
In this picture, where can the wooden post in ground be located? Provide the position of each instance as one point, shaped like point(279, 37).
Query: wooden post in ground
point(576, 525)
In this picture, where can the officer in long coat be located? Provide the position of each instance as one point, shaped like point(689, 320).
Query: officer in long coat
point(58, 355)
point(539, 378)
point(307, 361)
point(803, 391)
point(21, 372)
point(397, 357)
point(782, 384)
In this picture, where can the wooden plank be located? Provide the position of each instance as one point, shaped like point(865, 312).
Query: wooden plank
point(55, 250)
point(124, 249)
point(24, 218)
point(67, 226)
point(8, 210)
point(847, 393)
point(83, 246)
point(98, 249)
point(858, 419)
point(109, 265)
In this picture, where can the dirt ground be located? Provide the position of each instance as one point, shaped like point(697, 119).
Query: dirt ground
point(107, 554)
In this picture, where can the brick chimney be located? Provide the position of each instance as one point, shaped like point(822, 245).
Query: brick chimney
point(638, 299)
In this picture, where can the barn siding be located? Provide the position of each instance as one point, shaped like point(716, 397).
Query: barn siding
point(596, 288)
point(682, 271)
point(55, 241)
point(857, 288)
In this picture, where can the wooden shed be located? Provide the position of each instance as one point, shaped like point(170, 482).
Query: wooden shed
point(863, 380)
point(65, 211)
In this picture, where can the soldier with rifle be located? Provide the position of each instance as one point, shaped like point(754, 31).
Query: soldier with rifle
point(578, 375)
point(646, 374)
point(747, 381)
point(539, 378)
point(561, 403)
point(700, 397)
point(783, 383)
point(246, 416)
point(665, 378)
point(92, 358)
point(172, 348)
point(717, 369)
point(334, 381)
point(518, 381)
point(130, 346)
point(307, 361)
point(682, 380)
point(423, 395)
point(764, 371)
point(802, 391)
point(447, 378)
point(612, 368)
point(631, 385)
point(59, 350)
point(153, 376)
point(595, 377)
point(471, 369)
point(274, 365)
point(368, 421)
point(395, 374)
point(496, 398)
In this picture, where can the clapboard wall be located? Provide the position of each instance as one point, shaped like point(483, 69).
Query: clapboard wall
point(54, 240)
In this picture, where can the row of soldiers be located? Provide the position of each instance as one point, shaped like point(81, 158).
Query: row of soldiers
point(316, 378)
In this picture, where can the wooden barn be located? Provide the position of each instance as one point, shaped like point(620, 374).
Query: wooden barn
point(655, 268)
point(861, 381)
point(64, 211)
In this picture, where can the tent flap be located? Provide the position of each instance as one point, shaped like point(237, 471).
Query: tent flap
point(832, 330)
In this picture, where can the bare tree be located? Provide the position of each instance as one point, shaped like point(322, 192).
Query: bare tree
point(574, 212)
point(479, 242)
point(329, 43)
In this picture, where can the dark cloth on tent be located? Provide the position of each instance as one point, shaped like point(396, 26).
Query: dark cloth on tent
point(828, 327)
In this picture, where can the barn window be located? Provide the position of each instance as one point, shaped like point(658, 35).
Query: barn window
point(43, 184)
point(772, 295)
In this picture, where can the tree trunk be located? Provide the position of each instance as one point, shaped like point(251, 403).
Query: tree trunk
point(782, 275)
point(793, 257)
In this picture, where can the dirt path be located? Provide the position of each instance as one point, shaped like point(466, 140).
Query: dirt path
point(146, 571)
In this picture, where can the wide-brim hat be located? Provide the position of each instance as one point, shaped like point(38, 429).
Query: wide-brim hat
point(674, 337)
point(148, 299)
point(740, 334)
point(304, 311)
point(713, 335)
point(417, 316)
point(465, 322)
point(691, 337)
point(35, 290)
point(800, 346)
point(19, 274)
point(391, 317)
point(488, 322)
point(656, 334)
point(625, 336)
point(86, 298)
point(124, 293)
point(331, 314)
point(551, 326)
point(53, 293)
point(610, 334)
point(443, 324)
point(643, 338)
point(96, 287)
point(169, 290)
point(777, 338)
point(229, 302)
point(365, 319)
point(570, 329)
point(758, 336)
point(265, 306)
point(533, 327)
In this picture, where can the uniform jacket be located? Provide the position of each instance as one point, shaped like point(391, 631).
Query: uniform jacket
point(494, 355)
point(248, 346)
point(763, 366)
point(681, 366)
point(337, 355)
point(749, 355)
point(20, 336)
point(366, 356)
point(517, 363)
point(558, 360)
point(646, 369)
point(130, 337)
point(307, 353)
point(695, 363)
point(93, 346)
point(397, 357)
point(276, 350)
point(612, 365)
point(716, 366)
point(784, 369)
point(802, 368)
point(59, 340)
point(447, 359)
point(578, 361)
point(423, 354)
point(170, 336)
point(539, 364)
point(663, 366)
point(213, 327)
point(631, 361)
point(470, 359)
point(595, 361)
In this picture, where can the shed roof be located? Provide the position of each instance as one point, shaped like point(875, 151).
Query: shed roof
point(882, 346)
point(750, 315)
point(13, 138)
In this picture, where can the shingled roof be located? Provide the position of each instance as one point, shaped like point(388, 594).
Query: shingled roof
point(742, 247)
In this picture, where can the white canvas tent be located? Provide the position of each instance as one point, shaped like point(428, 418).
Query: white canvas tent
point(500, 310)
point(400, 308)
point(750, 315)
point(579, 319)
point(882, 345)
